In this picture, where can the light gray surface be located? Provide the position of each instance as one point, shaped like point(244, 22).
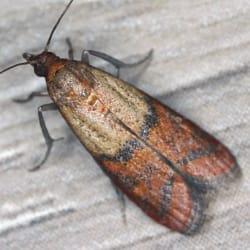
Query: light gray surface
point(200, 68)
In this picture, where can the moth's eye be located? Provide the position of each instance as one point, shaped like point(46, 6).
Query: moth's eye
point(40, 70)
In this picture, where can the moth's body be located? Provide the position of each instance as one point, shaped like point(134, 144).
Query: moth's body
point(158, 158)
point(161, 160)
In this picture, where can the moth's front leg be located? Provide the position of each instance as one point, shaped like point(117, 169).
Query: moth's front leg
point(48, 139)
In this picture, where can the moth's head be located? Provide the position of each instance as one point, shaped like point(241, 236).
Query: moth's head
point(41, 62)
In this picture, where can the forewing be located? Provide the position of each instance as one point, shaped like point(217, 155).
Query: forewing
point(200, 158)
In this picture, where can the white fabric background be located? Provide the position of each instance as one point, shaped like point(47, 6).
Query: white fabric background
point(200, 68)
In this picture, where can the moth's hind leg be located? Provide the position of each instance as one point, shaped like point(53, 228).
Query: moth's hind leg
point(122, 200)
point(70, 50)
point(115, 62)
point(31, 96)
point(48, 139)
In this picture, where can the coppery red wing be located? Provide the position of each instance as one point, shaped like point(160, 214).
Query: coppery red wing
point(200, 158)
point(158, 190)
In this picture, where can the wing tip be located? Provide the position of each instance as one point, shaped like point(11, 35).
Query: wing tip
point(198, 216)
point(204, 186)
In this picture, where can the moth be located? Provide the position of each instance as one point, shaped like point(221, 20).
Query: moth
point(162, 161)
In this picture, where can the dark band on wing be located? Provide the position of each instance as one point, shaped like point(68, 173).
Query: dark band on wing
point(150, 120)
point(196, 154)
point(127, 182)
point(124, 154)
point(198, 217)
point(166, 196)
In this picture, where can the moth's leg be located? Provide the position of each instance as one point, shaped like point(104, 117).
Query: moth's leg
point(71, 50)
point(48, 139)
point(31, 96)
point(115, 62)
point(122, 200)
point(85, 56)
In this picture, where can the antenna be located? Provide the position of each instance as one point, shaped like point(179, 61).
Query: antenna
point(13, 66)
point(48, 42)
point(56, 25)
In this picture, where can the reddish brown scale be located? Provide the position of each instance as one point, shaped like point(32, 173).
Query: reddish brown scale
point(191, 149)
point(160, 192)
